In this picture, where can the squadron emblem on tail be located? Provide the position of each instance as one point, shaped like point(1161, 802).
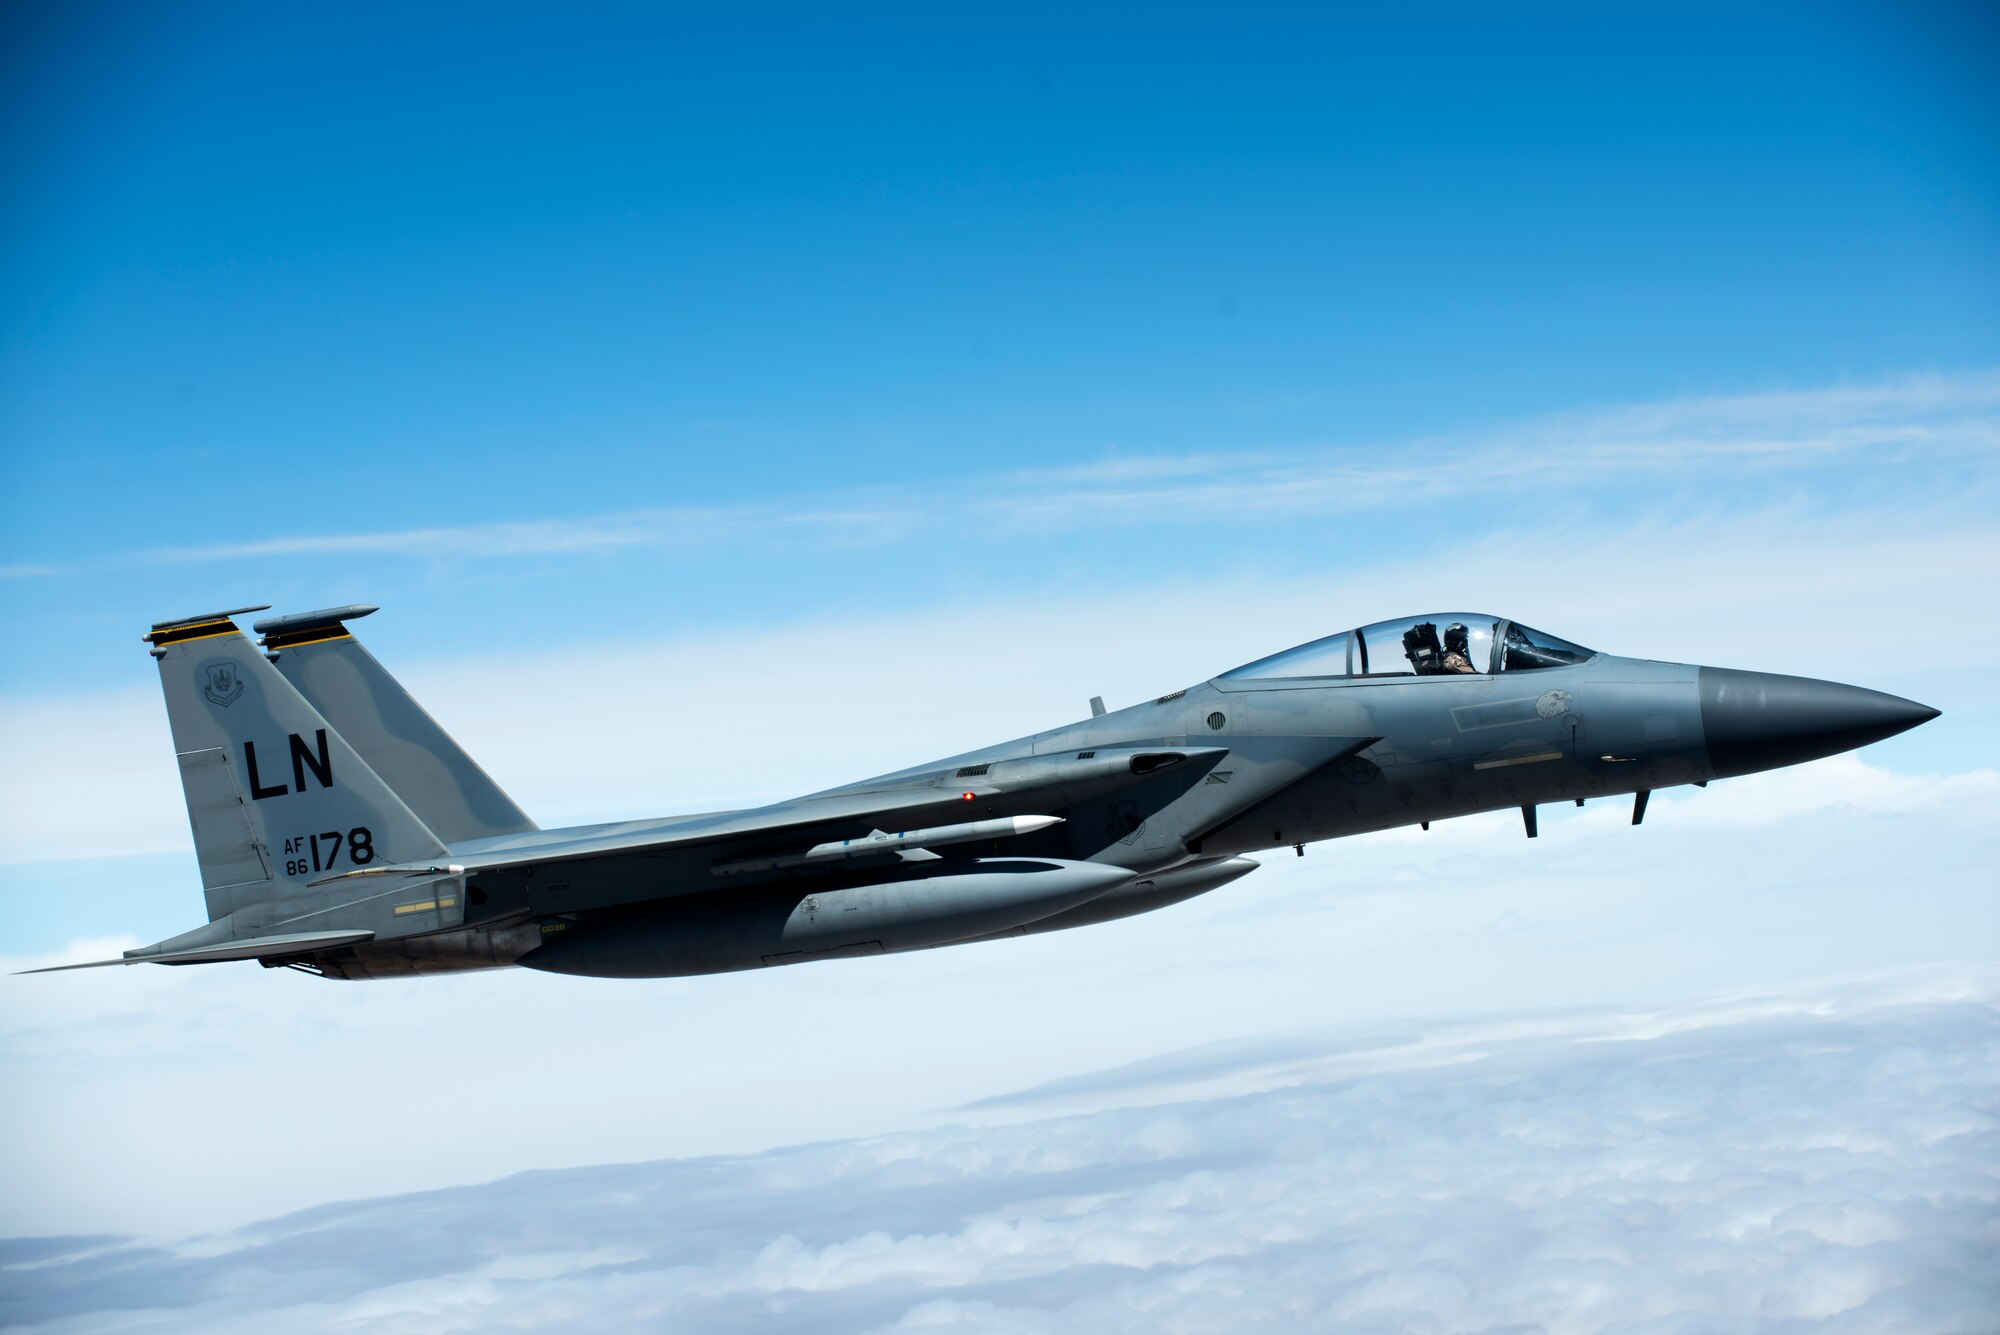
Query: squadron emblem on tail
point(225, 685)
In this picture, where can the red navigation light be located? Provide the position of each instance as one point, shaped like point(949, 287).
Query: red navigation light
point(968, 797)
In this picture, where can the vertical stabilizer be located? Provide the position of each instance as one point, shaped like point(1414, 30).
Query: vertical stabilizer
point(276, 797)
point(445, 787)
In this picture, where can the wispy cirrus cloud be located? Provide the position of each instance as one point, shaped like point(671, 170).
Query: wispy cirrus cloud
point(1932, 419)
point(1823, 1158)
point(1929, 418)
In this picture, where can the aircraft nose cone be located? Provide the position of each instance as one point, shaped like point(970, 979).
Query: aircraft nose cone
point(1761, 720)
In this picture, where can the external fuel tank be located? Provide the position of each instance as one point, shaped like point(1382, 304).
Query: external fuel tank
point(927, 903)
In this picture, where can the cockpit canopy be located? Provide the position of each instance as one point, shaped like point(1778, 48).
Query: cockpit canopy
point(1439, 645)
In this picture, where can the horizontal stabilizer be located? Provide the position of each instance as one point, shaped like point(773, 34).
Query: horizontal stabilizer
point(252, 948)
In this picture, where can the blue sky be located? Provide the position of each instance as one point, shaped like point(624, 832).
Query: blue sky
point(272, 274)
point(720, 411)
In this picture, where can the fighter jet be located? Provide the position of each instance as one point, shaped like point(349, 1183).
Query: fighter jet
point(341, 832)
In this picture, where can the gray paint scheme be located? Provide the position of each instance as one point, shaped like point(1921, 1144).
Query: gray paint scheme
point(257, 760)
point(445, 787)
point(1156, 802)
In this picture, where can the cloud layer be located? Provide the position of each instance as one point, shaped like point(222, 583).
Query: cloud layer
point(617, 728)
point(1642, 530)
point(1822, 1159)
point(1565, 1173)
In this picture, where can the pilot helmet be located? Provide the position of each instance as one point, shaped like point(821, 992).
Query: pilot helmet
point(1457, 639)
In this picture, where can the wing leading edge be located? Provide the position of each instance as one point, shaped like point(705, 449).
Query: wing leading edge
point(1005, 788)
point(251, 948)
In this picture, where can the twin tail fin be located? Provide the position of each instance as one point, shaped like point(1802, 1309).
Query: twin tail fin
point(276, 796)
point(318, 654)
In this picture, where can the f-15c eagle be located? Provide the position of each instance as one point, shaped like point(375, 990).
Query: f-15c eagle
point(341, 832)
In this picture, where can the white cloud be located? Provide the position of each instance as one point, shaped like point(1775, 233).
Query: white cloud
point(263, 1092)
point(422, 1084)
point(696, 723)
point(668, 726)
point(1822, 1158)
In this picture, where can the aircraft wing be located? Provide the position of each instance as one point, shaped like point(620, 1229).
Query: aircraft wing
point(250, 948)
point(1004, 788)
point(1285, 762)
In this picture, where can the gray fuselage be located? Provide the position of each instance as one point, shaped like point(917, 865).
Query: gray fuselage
point(1249, 765)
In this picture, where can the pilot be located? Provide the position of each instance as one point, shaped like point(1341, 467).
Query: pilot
point(1458, 648)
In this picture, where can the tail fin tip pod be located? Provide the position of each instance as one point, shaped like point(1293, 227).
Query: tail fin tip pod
point(276, 796)
point(417, 758)
point(300, 628)
point(202, 626)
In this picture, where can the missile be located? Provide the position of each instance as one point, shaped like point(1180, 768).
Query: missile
point(882, 841)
